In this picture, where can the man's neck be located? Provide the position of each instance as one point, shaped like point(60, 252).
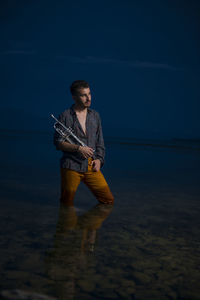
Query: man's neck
point(80, 109)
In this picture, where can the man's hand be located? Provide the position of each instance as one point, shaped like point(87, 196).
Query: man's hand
point(86, 151)
point(96, 165)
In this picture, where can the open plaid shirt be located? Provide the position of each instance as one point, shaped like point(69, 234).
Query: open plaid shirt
point(93, 138)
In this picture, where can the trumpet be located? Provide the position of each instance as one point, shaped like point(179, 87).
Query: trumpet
point(66, 132)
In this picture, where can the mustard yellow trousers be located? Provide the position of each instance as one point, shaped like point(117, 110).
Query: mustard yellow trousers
point(95, 181)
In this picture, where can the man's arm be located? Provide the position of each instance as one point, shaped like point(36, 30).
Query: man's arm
point(60, 142)
point(100, 147)
point(86, 152)
point(66, 146)
point(63, 145)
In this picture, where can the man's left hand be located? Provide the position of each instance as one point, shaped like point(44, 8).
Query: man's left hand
point(96, 165)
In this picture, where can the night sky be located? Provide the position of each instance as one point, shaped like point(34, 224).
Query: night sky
point(141, 58)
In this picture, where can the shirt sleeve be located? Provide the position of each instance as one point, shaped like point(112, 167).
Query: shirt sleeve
point(100, 147)
point(57, 137)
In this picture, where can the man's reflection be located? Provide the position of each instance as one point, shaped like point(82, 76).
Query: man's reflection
point(74, 242)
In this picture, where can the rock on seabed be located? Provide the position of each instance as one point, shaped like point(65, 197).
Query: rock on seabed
point(23, 295)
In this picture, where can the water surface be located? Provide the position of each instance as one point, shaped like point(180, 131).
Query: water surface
point(145, 247)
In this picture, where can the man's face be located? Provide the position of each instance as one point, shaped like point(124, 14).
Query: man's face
point(83, 97)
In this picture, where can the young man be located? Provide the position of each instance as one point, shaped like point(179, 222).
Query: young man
point(80, 163)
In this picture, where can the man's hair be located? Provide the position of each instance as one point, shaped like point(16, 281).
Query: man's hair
point(78, 84)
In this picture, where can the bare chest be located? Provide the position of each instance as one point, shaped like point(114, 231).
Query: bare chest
point(82, 120)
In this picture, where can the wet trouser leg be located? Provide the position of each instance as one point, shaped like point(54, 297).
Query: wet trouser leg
point(70, 181)
point(98, 185)
point(95, 181)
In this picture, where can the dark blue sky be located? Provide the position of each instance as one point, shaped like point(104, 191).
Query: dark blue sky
point(140, 57)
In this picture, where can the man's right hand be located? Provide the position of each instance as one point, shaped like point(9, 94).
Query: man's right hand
point(86, 151)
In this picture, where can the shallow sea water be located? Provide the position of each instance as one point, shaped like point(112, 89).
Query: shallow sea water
point(144, 247)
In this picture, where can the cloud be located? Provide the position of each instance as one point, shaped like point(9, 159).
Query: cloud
point(98, 60)
point(119, 62)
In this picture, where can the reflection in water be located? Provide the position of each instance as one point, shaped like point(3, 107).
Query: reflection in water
point(149, 249)
point(74, 246)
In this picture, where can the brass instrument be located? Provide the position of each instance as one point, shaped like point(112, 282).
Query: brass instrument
point(66, 132)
